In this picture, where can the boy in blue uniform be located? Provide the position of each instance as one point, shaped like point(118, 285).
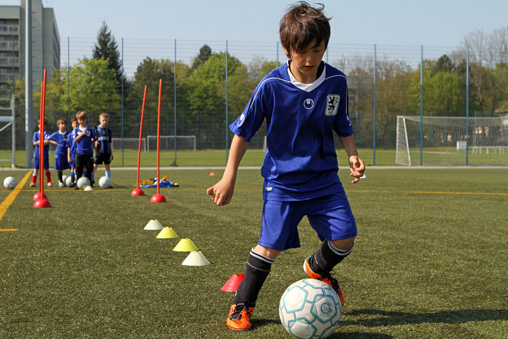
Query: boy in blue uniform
point(71, 151)
point(104, 148)
point(60, 139)
point(36, 143)
point(84, 153)
point(303, 103)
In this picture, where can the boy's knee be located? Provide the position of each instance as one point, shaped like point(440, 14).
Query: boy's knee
point(344, 244)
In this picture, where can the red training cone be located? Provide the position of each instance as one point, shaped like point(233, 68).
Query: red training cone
point(232, 284)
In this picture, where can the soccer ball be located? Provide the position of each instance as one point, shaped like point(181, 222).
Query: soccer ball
point(83, 182)
point(105, 182)
point(68, 181)
point(309, 308)
point(10, 182)
point(64, 180)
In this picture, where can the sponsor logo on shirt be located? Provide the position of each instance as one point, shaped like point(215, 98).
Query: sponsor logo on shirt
point(332, 104)
point(308, 103)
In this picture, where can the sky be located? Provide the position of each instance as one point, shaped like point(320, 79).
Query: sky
point(384, 22)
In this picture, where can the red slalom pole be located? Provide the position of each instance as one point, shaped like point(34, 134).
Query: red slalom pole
point(158, 197)
point(137, 191)
point(42, 202)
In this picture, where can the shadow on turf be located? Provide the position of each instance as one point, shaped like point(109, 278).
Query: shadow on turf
point(403, 318)
point(342, 335)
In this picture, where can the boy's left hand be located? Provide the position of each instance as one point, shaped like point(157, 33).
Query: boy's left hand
point(357, 168)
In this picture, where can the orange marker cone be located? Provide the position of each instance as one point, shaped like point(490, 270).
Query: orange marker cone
point(232, 284)
point(212, 174)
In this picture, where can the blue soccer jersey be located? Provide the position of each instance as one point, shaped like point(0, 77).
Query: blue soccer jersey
point(84, 145)
point(35, 138)
point(300, 162)
point(63, 142)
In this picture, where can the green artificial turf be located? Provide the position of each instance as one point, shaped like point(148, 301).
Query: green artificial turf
point(430, 260)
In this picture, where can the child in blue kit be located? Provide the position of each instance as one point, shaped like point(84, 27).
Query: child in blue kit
point(71, 152)
point(36, 142)
point(84, 153)
point(60, 138)
point(303, 103)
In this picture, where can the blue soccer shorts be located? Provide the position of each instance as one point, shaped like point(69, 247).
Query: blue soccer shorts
point(330, 216)
point(61, 162)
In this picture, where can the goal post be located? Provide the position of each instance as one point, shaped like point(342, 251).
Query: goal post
point(452, 141)
point(167, 142)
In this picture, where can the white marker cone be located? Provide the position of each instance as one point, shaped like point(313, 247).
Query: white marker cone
point(153, 225)
point(195, 258)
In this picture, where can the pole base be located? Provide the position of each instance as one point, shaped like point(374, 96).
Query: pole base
point(38, 196)
point(137, 192)
point(158, 198)
point(42, 203)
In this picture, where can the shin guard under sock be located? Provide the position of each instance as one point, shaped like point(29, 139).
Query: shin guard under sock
point(257, 269)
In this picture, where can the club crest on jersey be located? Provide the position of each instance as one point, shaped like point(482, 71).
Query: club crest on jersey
point(332, 104)
point(308, 103)
point(241, 120)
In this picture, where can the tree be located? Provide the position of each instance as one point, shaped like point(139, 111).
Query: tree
point(205, 52)
point(107, 48)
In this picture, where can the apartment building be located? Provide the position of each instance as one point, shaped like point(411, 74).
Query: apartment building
point(45, 42)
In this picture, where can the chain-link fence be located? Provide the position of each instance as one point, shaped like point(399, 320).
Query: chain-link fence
point(203, 93)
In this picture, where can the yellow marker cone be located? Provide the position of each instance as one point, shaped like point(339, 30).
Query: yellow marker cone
point(153, 225)
point(195, 258)
point(185, 245)
point(167, 233)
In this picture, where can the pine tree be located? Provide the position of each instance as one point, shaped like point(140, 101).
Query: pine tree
point(107, 48)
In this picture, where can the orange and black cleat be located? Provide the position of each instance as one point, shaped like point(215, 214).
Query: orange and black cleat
point(239, 317)
point(326, 278)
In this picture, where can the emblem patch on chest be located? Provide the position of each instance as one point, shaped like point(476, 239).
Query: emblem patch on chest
point(332, 104)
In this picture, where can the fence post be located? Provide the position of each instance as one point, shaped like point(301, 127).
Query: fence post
point(421, 108)
point(174, 105)
point(227, 110)
point(123, 142)
point(374, 128)
point(467, 106)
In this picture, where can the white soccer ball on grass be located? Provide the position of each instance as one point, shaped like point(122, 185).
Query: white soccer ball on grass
point(83, 182)
point(105, 182)
point(309, 308)
point(68, 181)
point(10, 183)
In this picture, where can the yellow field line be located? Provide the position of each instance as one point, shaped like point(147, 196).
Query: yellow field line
point(10, 198)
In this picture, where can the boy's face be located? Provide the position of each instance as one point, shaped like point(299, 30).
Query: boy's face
point(304, 64)
point(104, 121)
point(82, 121)
point(62, 126)
point(74, 124)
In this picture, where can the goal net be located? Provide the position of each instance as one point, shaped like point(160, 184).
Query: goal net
point(449, 141)
point(128, 144)
point(167, 142)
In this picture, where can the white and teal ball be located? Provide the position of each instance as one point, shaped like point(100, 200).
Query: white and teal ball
point(309, 308)
point(83, 182)
point(10, 183)
point(105, 182)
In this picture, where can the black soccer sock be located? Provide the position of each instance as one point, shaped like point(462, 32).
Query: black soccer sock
point(257, 269)
point(60, 176)
point(327, 257)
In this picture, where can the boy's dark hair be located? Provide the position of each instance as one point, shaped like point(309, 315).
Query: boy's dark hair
point(63, 121)
point(73, 119)
point(301, 25)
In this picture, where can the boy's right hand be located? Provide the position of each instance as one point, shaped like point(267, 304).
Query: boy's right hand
point(221, 192)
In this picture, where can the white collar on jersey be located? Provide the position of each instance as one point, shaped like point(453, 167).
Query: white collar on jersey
point(307, 87)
